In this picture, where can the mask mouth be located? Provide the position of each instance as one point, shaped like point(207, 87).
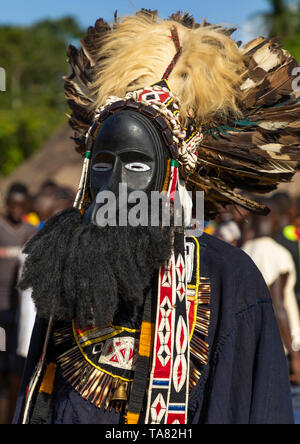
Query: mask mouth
point(91, 215)
point(109, 209)
point(124, 211)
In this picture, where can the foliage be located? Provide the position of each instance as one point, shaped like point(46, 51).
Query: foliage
point(277, 20)
point(284, 21)
point(33, 106)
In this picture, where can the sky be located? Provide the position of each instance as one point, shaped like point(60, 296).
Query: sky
point(233, 12)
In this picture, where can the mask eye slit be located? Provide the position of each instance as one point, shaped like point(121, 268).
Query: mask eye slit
point(137, 167)
point(102, 167)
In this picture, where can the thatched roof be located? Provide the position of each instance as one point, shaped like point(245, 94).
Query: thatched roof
point(56, 160)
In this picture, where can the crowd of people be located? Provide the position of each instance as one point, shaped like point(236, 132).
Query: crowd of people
point(24, 215)
point(273, 242)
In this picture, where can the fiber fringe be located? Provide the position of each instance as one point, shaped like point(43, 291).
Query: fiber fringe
point(199, 347)
point(99, 387)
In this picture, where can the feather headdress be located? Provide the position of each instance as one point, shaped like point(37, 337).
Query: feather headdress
point(242, 99)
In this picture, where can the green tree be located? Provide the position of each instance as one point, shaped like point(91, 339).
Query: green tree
point(278, 19)
point(33, 106)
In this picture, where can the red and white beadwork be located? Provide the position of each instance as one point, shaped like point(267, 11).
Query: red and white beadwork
point(120, 353)
point(180, 364)
point(181, 285)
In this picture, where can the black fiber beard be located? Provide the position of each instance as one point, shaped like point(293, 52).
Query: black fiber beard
point(83, 272)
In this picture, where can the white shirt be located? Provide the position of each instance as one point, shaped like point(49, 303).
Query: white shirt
point(273, 260)
point(27, 317)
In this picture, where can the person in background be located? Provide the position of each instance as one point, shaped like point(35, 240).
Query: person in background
point(289, 237)
point(232, 225)
point(48, 187)
point(283, 210)
point(27, 316)
point(228, 230)
point(51, 200)
point(277, 267)
point(45, 198)
point(14, 233)
point(287, 211)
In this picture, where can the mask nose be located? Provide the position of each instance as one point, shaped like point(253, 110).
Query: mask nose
point(115, 177)
point(104, 188)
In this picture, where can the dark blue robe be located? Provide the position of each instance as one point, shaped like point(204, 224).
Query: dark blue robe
point(246, 380)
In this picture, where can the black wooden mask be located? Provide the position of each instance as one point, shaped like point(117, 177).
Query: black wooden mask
point(128, 149)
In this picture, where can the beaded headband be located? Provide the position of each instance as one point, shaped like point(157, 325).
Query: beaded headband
point(158, 103)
